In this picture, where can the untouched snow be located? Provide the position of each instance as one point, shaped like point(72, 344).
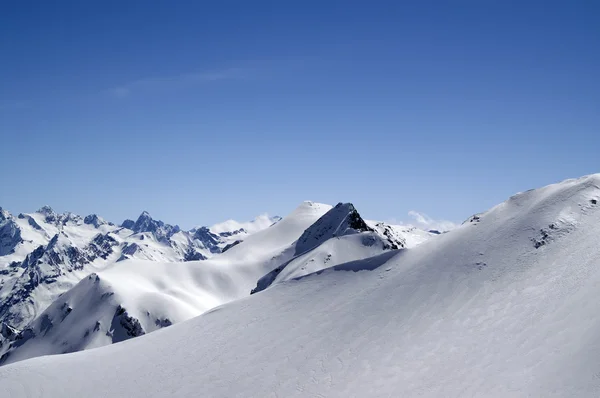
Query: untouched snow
point(504, 305)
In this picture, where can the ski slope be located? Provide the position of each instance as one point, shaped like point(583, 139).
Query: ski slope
point(504, 305)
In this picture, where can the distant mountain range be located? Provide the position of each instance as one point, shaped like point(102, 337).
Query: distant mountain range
point(49, 252)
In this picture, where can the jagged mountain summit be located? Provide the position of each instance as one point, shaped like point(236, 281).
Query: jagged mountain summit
point(338, 236)
point(503, 305)
point(133, 298)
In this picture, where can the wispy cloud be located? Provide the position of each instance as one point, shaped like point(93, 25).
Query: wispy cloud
point(156, 84)
point(423, 221)
point(255, 69)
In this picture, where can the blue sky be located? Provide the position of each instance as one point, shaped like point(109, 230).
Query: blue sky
point(202, 111)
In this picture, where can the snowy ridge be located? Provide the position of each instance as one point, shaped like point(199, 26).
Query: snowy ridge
point(409, 236)
point(340, 235)
point(504, 305)
point(342, 220)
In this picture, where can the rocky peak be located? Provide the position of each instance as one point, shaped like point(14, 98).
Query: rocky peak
point(10, 233)
point(208, 239)
point(341, 220)
point(392, 239)
point(4, 215)
point(45, 210)
point(145, 223)
point(94, 220)
point(129, 224)
point(69, 217)
point(48, 213)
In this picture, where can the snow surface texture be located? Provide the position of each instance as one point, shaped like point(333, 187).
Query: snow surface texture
point(44, 254)
point(504, 305)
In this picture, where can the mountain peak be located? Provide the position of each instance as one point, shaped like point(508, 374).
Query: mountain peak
point(145, 223)
point(46, 210)
point(94, 220)
point(4, 214)
point(128, 223)
point(341, 220)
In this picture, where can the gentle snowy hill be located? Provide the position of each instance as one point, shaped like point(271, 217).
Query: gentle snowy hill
point(504, 305)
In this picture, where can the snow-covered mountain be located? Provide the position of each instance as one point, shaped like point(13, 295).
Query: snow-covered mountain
point(339, 236)
point(121, 306)
point(133, 298)
point(503, 305)
point(44, 254)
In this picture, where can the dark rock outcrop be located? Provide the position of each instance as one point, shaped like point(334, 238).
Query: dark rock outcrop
point(10, 233)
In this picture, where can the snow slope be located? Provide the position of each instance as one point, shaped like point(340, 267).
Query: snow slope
point(504, 305)
point(132, 298)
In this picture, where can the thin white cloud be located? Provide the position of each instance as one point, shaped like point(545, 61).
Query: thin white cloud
point(164, 83)
point(423, 221)
point(242, 70)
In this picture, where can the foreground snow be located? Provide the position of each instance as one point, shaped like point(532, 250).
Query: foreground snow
point(505, 305)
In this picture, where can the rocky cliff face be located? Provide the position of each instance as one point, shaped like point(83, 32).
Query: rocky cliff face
point(10, 233)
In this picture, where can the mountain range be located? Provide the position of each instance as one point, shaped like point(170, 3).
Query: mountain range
point(326, 303)
point(70, 283)
point(44, 254)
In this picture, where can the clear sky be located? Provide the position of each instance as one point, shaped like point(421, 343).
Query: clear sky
point(199, 111)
